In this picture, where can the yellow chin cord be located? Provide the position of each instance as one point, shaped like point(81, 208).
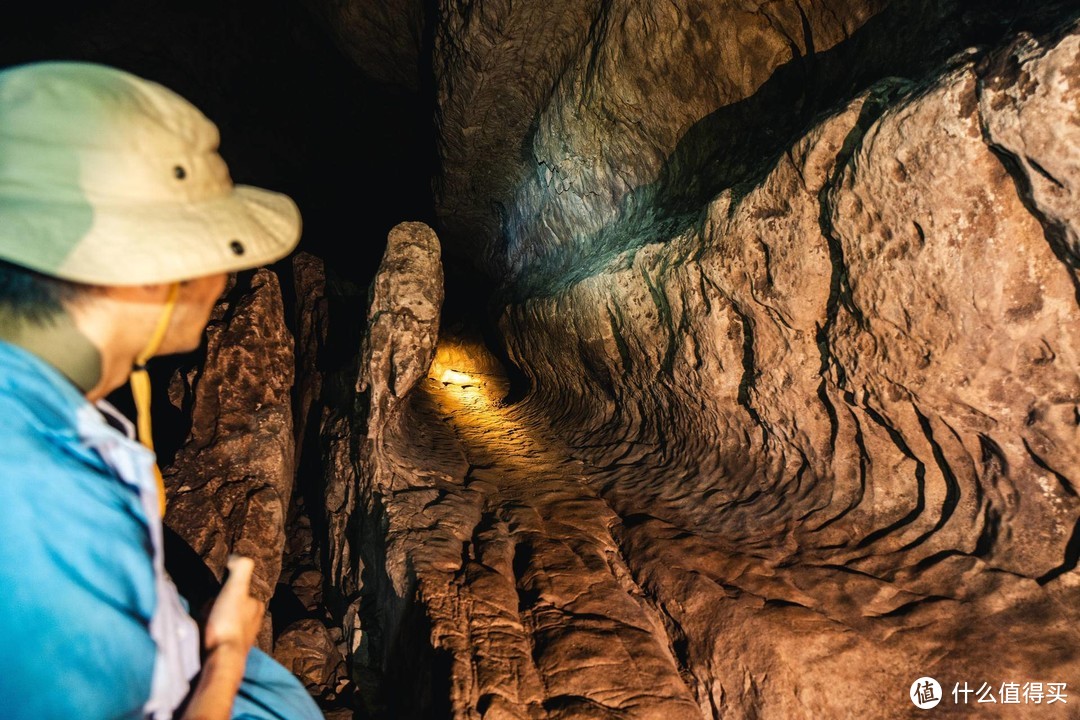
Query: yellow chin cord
point(140, 385)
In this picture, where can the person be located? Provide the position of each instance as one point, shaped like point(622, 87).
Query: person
point(119, 226)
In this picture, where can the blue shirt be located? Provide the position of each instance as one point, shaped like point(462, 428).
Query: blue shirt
point(90, 624)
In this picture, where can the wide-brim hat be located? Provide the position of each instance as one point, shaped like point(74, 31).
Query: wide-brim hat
point(107, 178)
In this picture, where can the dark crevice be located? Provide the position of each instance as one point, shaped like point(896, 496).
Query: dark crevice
point(665, 320)
point(527, 596)
point(839, 288)
point(952, 487)
point(1055, 232)
point(920, 481)
point(910, 607)
point(1002, 68)
point(621, 345)
point(417, 683)
point(864, 461)
point(1072, 557)
point(750, 372)
point(991, 530)
point(992, 456)
point(1044, 172)
point(840, 295)
point(1063, 481)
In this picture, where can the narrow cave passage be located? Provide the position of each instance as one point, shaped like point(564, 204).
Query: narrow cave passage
point(552, 608)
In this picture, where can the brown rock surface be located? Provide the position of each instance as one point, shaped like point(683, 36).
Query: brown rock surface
point(838, 419)
point(365, 568)
point(308, 649)
point(229, 485)
point(572, 130)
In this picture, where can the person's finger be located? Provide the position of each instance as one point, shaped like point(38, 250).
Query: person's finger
point(240, 572)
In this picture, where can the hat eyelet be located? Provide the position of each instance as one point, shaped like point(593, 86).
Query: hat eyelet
point(237, 247)
point(179, 172)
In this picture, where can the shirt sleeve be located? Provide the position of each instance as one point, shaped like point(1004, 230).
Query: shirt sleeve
point(270, 692)
point(76, 589)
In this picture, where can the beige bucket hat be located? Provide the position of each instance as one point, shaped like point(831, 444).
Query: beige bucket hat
point(110, 179)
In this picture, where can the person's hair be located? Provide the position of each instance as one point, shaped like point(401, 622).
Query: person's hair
point(35, 297)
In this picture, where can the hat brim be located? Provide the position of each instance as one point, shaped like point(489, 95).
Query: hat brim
point(144, 243)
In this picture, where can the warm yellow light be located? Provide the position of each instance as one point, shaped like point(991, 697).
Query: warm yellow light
point(452, 376)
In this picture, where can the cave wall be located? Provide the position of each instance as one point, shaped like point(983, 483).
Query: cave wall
point(896, 257)
point(557, 113)
point(231, 483)
point(849, 398)
point(571, 131)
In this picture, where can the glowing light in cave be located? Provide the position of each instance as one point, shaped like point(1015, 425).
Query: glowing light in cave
point(456, 378)
point(469, 376)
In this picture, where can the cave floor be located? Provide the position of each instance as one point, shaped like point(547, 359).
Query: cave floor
point(554, 622)
point(554, 598)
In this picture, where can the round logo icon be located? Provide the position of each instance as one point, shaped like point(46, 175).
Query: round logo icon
point(925, 693)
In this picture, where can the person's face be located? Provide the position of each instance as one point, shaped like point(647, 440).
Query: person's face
point(194, 304)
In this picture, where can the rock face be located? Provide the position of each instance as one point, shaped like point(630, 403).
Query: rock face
point(229, 485)
point(591, 127)
point(403, 321)
point(369, 573)
point(838, 419)
point(310, 652)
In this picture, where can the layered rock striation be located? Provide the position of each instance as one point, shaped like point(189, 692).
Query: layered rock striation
point(838, 419)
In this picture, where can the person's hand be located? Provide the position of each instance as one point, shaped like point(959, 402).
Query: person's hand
point(236, 617)
point(228, 635)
